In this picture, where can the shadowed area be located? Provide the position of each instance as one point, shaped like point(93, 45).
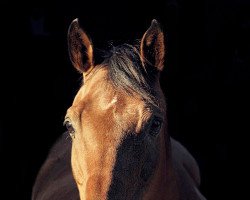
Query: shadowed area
point(206, 80)
point(55, 178)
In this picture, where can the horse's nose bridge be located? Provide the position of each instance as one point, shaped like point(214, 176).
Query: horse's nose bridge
point(97, 187)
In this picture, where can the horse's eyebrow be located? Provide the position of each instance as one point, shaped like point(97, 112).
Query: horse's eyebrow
point(157, 111)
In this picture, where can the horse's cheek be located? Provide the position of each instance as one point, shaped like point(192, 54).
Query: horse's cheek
point(76, 165)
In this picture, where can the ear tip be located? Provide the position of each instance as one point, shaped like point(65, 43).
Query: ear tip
point(73, 25)
point(75, 21)
point(154, 22)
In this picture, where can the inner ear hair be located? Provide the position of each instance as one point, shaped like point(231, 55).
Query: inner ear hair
point(80, 48)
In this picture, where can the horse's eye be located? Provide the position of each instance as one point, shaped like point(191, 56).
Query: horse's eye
point(155, 126)
point(69, 126)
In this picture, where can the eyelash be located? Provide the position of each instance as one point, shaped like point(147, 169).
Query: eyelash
point(69, 127)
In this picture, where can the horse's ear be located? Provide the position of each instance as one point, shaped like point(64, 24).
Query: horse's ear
point(80, 48)
point(152, 47)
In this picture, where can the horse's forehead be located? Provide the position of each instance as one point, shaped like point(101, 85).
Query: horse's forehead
point(94, 85)
point(100, 90)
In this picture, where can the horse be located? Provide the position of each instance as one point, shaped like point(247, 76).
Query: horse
point(120, 147)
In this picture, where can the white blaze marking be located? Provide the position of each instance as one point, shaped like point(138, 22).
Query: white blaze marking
point(114, 100)
point(111, 103)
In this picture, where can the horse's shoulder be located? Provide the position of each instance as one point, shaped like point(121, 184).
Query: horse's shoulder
point(54, 179)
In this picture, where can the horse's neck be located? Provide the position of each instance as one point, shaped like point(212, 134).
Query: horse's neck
point(182, 173)
point(177, 176)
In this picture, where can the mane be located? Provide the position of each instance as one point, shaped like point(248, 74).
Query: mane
point(127, 72)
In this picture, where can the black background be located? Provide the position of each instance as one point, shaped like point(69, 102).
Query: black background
point(206, 80)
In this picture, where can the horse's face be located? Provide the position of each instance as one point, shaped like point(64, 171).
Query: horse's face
point(117, 135)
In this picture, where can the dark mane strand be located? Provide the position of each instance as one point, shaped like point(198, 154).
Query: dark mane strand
point(126, 72)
